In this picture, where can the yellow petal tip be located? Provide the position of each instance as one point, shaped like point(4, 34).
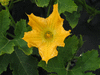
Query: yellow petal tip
point(69, 30)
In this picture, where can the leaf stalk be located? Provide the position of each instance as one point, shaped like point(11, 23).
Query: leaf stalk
point(11, 35)
point(69, 63)
point(49, 6)
point(14, 24)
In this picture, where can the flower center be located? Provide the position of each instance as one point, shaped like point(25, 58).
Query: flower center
point(48, 35)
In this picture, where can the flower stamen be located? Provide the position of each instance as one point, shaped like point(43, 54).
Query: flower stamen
point(48, 35)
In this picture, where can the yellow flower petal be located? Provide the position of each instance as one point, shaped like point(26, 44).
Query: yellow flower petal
point(32, 38)
point(54, 20)
point(37, 23)
point(61, 35)
point(47, 34)
point(48, 51)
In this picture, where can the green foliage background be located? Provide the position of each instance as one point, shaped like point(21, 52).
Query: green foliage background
point(18, 56)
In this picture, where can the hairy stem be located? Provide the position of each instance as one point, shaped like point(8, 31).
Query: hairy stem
point(69, 63)
point(48, 10)
point(11, 35)
point(14, 24)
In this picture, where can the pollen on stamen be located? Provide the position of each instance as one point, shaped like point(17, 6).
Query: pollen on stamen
point(48, 35)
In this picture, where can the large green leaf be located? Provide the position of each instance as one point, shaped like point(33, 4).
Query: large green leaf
point(19, 32)
point(6, 45)
point(71, 45)
point(54, 65)
point(52, 74)
point(88, 61)
point(89, 73)
point(66, 5)
point(4, 21)
point(78, 71)
point(20, 28)
point(4, 61)
point(35, 51)
point(42, 3)
point(72, 18)
point(23, 46)
point(22, 64)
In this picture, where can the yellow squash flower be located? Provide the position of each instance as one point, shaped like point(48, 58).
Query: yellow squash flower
point(47, 34)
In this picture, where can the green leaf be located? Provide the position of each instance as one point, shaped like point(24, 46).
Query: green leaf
point(66, 5)
point(35, 51)
point(52, 74)
point(19, 32)
point(29, 28)
point(6, 45)
point(88, 61)
point(99, 46)
point(54, 65)
point(72, 18)
point(4, 61)
point(71, 45)
point(22, 64)
point(89, 73)
point(23, 46)
point(77, 71)
point(20, 28)
point(4, 21)
point(42, 3)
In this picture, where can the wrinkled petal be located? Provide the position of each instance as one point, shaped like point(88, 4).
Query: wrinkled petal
point(60, 35)
point(37, 23)
point(54, 20)
point(48, 51)
point(32, 38)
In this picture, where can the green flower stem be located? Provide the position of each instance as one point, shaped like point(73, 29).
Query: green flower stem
point(11, 35)
point(69, 63)
point(11, 4)
point(88, 8)
point(14, 24)
point(16, 1)
point(48, 10)
point(49, 6)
